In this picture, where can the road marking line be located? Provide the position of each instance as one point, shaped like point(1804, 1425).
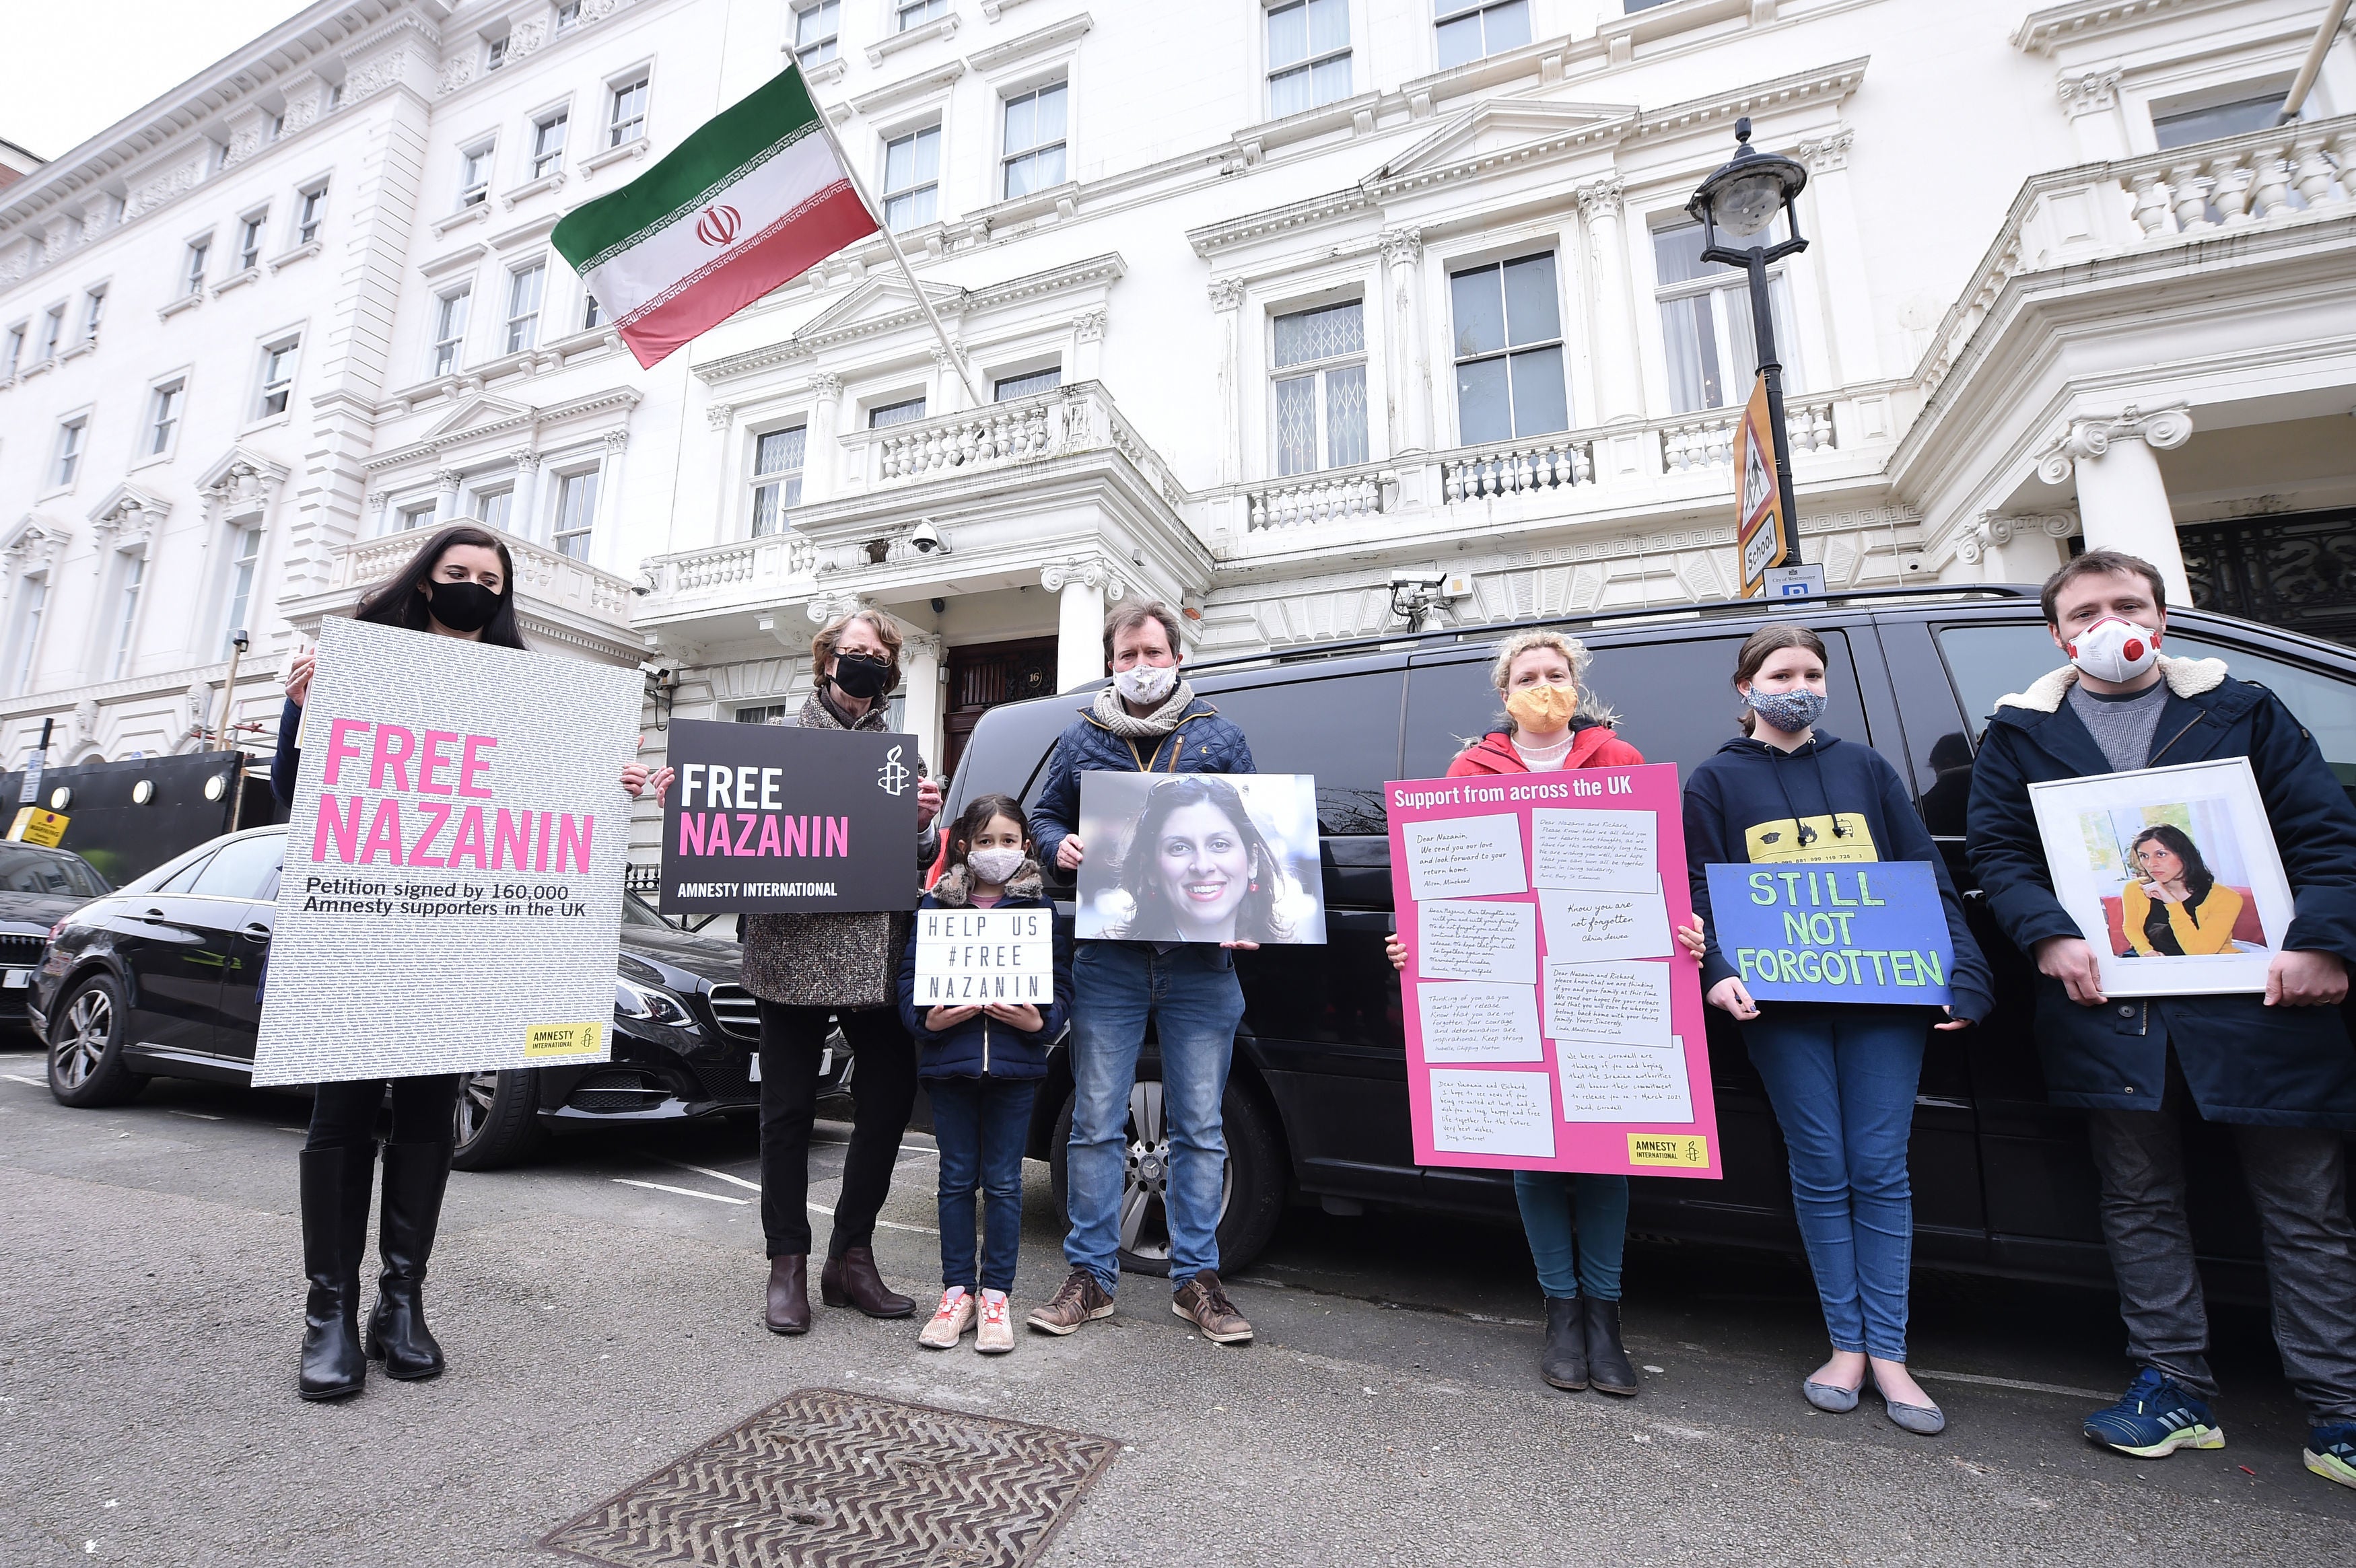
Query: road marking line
point(298, 1132)
point(882, 1224)
point(19, 1078)
point(193, 1115)
point(2010, 1382)
point(683, 1191)
point(716, 1175)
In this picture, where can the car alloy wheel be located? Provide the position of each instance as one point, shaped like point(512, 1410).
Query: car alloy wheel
point(475, 1091)
point(82, 1040)
point(1145, 1177)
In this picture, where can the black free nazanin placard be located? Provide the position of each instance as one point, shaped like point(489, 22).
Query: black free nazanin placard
point(766, 819)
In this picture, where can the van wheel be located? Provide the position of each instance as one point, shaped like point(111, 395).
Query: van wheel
point(1251, 1198)
point(86, 1068)
point(498, 1119)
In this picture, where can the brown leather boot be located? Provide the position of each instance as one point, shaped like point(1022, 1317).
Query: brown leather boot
point(850, 1280)
point(788, 1310)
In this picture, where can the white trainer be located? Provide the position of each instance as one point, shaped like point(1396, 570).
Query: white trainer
point(996, 1334)
point(948, 1324)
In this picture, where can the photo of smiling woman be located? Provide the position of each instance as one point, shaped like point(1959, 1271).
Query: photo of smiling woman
point(460, 584)
point(1204, 859)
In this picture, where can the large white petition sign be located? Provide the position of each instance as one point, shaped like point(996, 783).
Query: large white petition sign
point(452, 898)
point(967, 957)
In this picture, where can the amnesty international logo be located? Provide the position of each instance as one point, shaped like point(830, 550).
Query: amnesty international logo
point(893, 776)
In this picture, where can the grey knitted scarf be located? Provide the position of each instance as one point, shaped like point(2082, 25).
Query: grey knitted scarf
point(1110, 712)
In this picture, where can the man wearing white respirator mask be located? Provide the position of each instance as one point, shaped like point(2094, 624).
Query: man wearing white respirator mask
point(1149, 720)
point(2281, 1070)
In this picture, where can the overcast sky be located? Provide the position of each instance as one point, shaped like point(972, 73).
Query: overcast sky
point(104, 58)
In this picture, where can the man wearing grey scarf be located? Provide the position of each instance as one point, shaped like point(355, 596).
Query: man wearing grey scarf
point(1149, 720)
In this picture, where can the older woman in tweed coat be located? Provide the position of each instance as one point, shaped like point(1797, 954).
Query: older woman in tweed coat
point(811, 971)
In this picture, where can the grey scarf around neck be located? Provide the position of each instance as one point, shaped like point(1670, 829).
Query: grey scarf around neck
point(1111, 713)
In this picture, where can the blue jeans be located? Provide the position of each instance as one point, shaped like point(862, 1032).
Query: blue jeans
point(1843, 1080)
point(980, 1125)
point(1195, 1002)
point(1577, 1228)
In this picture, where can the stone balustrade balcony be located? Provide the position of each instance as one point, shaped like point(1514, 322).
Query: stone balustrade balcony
point(560, 601)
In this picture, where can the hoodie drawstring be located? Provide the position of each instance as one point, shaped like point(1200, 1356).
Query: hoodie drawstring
point(1807, 834)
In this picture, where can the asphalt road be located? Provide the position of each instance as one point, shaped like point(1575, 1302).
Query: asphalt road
point(601, 1309)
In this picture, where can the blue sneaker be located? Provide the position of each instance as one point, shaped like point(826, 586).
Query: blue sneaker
point(2153, 1419)
point(2331, 1453)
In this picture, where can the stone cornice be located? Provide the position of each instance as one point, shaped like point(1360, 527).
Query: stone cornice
point(1038, 41)
point(2044, 32)
point(841, 325)
point(512, 418)
point(1827, 84)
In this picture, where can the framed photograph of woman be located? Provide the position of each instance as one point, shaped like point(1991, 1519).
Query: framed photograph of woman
point(1201, 857)
point(2172, 873)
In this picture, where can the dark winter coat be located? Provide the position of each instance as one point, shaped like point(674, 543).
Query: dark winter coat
point(832, 960)
point(982, 1047)
point(2244, 1061)
point(1750, 802)
point(289, 760)
point(1202, 743)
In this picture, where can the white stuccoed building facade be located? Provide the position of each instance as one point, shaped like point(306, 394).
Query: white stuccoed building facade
point(1269, 300)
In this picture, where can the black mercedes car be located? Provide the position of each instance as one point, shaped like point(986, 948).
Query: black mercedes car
point(164, 979)
point(38, 888)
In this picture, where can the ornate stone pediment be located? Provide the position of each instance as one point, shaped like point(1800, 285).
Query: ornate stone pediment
point(32, 544)
point(241, 481)
point(126, 515)
point(481, 411)
point(1499, 132)
point(880, 300)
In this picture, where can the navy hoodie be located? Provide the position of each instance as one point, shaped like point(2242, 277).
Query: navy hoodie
point(1825, 801)
point(981, 1047)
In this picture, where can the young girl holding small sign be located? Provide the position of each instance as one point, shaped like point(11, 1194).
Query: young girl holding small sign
point(1842, 1077)
point(981, 1061)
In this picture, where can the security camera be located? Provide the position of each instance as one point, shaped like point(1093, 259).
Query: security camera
point(927, 538)
point(1414, 579)
point(654, 671)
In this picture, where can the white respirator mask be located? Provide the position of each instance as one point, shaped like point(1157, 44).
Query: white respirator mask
point(1146, 682)
point(2114, 650)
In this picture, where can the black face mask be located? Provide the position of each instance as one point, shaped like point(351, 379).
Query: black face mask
point(462, 606)
point(861, 675)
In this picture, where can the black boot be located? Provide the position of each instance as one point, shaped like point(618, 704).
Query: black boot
point(1564, 1362)
point(333, 1365)
point(414, 1176)
point(1607, 1360)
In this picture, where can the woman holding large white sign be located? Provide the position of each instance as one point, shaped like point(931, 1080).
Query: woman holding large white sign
point(814, 973)
point(460, 585)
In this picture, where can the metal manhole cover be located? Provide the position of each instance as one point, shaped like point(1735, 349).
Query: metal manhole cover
point(826, 1479)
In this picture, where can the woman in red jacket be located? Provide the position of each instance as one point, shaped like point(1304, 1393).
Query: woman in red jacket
point(1577, 1223)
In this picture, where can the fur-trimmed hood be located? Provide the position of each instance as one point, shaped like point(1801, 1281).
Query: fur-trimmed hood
point(2186, 678)
point(954, 888)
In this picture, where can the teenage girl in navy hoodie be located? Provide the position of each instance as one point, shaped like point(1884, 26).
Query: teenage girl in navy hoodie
point(982, 1065)
point(1842, 1077)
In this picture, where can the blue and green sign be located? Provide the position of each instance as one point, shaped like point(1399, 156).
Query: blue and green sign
point(1851, 932)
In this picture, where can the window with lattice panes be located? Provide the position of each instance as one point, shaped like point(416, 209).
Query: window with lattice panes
point(450, 329)
point(576, 514)
point(1308, 55)
point(1706, 335)
point(1034, 140)
point(1008, 388)
point(817, 29)
point(778, 477)
point(548, 143)
point(244, 563)
point(1318, 391)
point(912, 178)
point(163, 416)
point(1505, 327)
point(132, 576)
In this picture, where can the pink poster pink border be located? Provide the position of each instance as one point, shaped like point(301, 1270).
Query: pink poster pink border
point(1600, 1146)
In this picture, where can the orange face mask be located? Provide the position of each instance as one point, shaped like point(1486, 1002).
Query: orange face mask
point(1543, 708)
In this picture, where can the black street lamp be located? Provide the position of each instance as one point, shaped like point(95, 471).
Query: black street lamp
point(1740, 202)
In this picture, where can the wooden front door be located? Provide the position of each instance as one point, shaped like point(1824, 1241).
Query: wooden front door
point(983, 675)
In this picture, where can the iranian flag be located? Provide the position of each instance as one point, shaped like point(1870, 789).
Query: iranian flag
point(753, 198)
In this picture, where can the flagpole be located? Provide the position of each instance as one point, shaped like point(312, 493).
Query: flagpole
point(965, 374)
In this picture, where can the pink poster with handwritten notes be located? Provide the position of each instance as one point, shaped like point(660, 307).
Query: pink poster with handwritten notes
point(1553, 1020)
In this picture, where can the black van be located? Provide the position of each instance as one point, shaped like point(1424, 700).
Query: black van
point(1317, 1106)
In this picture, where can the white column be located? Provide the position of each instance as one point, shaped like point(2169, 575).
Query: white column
point(2019, 548)
point(2091, 100)
point(1840, 260)
point(920, 684)
point(1087, 345)
point(1082, 589)
point(1226, 296)
point(1409, 380)
point(822, 451)
point(2121, 497)
point(446, 503)
point(523, 512)
point(1618, 387)
point(604, 546)
point(951, 385)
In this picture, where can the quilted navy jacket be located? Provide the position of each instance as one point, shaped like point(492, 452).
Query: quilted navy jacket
point(1202, 743)
point(2244, 1061)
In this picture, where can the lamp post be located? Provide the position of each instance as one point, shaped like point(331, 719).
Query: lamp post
point(1739, 203)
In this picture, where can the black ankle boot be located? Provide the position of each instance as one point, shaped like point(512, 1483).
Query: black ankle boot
point(1564, 1362)
point(414, 1176)
point(333, 1365)
point(1606, 1360)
